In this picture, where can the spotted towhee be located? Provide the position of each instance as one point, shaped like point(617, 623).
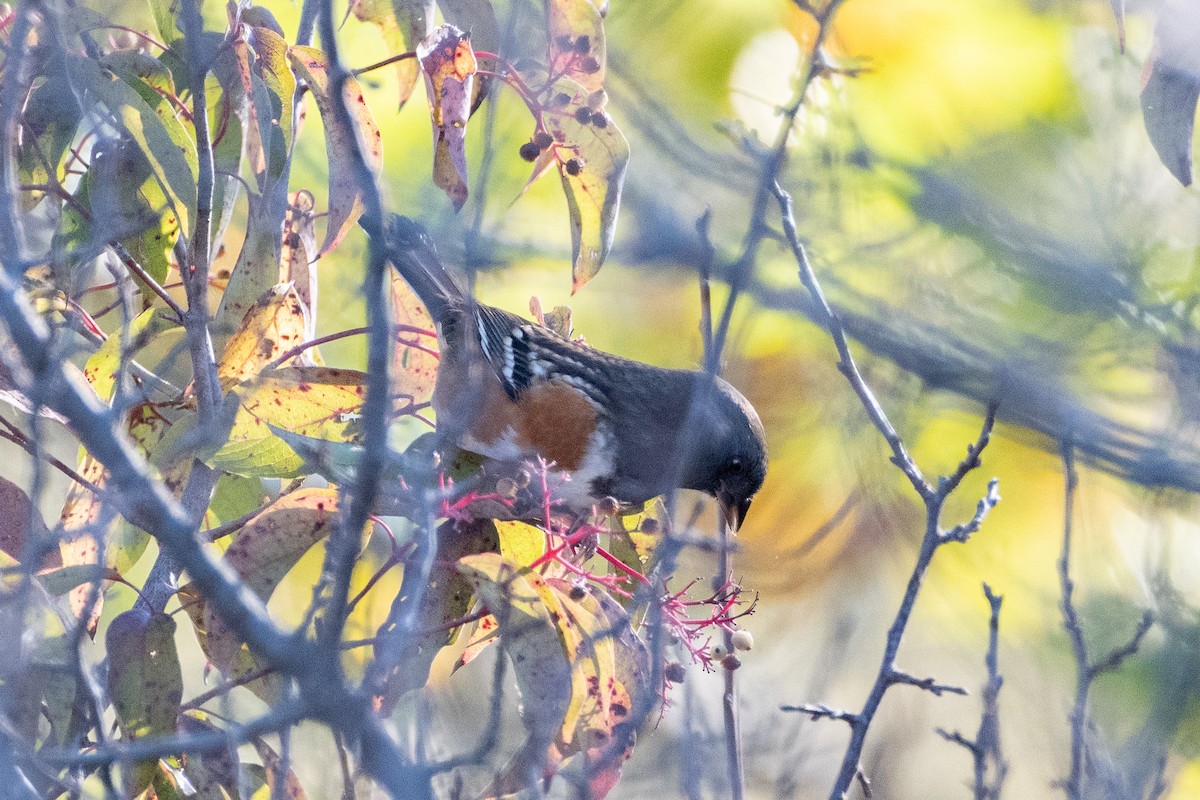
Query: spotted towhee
point(510, 389)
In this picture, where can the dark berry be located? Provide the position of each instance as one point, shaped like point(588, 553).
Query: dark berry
point(590, 65)
point(600, 120)
point(583, 115)
point(530, 151)
point(674, 672)
point(543, 139)
point(583, 45)
point(561, 99)
point(574, 166)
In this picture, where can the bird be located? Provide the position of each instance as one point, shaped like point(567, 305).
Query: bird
point(510, 389)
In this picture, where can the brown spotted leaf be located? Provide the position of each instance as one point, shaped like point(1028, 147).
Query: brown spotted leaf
point(1171, 86)
point(80, 525)
point(414, 364)
point(449, 66)
point(448, 597)
point(103, 365)
point(145, 681)
point(592, 156)
point(264, 552)
point(272, 327)
point(345, 197)
point(214, 775)
point(298, 260)
point(576, 34)
point(16, 516)
point(292, 789)
point(531, 633)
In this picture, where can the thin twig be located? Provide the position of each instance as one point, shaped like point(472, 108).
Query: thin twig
point(991, 768)
point(1087, 671)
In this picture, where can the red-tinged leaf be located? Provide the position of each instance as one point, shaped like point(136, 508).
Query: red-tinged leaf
point(263, 552)
point(16, 516)
point(487, 631)
point(345, 197)
point(592, 156)
point(1171, 86)
point(414, 366)
point(275, 325)
point(403, 23)
point(577, 48)
point(448, 63)
point(478, 17)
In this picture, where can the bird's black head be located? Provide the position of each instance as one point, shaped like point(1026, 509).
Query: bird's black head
point(728, 449)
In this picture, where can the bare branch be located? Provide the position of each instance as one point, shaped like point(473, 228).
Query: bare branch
point(816, 711)
point(928, 684)
point(1086, 671)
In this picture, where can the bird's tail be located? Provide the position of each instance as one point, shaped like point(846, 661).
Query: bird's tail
point(410, 250)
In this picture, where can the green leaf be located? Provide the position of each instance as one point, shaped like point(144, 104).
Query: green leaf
point(60, 581)
point(318, 402)
point(145, 681)
point(103, 365)
point(165, 13)
point(345, 200)
point(159, 134)
point(48, 124)
point(235, 497)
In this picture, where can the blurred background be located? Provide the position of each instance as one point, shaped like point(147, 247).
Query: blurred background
point(983, 206)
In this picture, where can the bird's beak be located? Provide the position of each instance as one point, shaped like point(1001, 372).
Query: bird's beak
point(733, 510)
